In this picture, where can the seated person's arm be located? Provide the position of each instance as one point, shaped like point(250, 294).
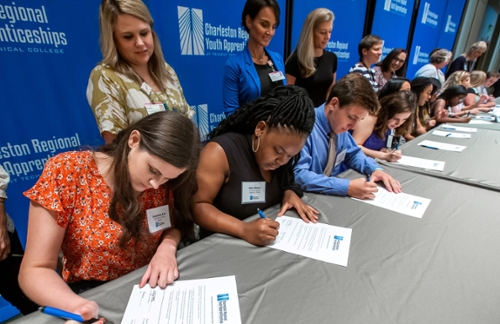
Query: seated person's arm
point(37, 276)
point(419, 129)
point(212, 173)
point(441, 114)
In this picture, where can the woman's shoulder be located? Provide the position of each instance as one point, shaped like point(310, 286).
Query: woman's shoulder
point(71, 159)
point(104, 71)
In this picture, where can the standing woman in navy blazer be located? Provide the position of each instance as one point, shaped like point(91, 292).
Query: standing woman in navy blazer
point(255, 71)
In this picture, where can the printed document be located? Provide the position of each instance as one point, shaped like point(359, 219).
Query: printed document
point(442, 146)
point(459, 129)
point(450, 134)
point(203, 301)
point(401, 203)
point(421, 163)
point(316, 241)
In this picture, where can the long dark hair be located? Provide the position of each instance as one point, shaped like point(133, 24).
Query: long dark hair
point(391, 86)
point(285, 107)
point(398, 102)
point(385, 64)
point(453, 91)
point(173, 138)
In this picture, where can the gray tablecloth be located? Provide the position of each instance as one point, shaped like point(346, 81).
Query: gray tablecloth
point(442, 268)
point(476, 165)
point(488, 125)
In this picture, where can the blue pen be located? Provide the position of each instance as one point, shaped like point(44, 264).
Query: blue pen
point(56, 312)
point(367, 178)
point(449, 134)
point(431, 147)
point(261, 213)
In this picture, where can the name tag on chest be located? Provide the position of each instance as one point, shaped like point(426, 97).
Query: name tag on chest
point(158, 218)
point(152, 108)
point(253, 192)
point(340, 157)
point(276, 76)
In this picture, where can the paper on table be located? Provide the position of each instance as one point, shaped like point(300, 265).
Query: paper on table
point(213, 300)
point(450, 134)
point(478, 121)
point(459, 129)
point(316, 241)
point(401, 203)
point(442, 146)
point(421, 163)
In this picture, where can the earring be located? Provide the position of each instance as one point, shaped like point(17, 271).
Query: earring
point(258, 145)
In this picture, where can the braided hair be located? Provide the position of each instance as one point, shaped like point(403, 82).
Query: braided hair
point(284, 108)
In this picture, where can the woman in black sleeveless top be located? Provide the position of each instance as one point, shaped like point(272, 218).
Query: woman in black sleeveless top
point(248, 164)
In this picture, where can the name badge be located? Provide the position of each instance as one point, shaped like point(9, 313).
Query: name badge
point(276, 76)
point(340, 157)
point(152, 108)
point(146, 88)
point(158, 218)
point(388, 143)
point(253, 192)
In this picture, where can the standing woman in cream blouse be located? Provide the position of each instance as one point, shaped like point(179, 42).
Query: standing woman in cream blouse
point(133, 80)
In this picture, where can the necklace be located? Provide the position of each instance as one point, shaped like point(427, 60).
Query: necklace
point(261, 58)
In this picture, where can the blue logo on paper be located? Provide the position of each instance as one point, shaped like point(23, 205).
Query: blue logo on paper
point(251, 197)
point(223, 297)
point(191, 31)
point(340, 238)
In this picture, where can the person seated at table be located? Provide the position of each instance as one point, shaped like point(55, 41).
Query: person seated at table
point(112, 211)
point(462, 78)
point(487, 87)
point(422, 89)
point(248, 164)
point(438, 59)
point(132, 80)
point(330, 149)
point(310, 66)
point(376, 136)
point(390, 67)
point(450, 97)
point(369, 50)
point(256, 70)
point(394, 85)
point(484, 102)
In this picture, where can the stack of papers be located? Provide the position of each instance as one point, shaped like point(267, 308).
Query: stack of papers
point(450, 134)
point(316, 241)
point(442, 146)
point(202, 301)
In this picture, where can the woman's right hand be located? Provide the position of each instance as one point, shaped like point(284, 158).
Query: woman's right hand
point(393, 156)
point(87, 309)
point(261, 232)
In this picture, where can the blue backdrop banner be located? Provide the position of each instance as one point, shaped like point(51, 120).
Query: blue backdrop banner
point(451, 23)
point(391, 22)
point(47, 50)
point(427, 31)
point(347, 28)
point(198, 37)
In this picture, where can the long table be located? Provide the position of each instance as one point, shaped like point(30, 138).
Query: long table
point(442, 268)
point(476, 165)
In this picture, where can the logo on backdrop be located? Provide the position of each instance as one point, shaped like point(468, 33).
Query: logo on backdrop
point(450, 27)
point(31, 169)
point(396, 6)
point(25, 29)
point(420, 57)
point(206, 121)
point(429, 18)
point(204, 38)
point(340, 49)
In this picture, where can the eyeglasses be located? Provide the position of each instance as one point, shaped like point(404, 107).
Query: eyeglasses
point(398, 60)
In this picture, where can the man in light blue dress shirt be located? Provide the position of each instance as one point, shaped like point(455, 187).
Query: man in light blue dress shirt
point(350, 100)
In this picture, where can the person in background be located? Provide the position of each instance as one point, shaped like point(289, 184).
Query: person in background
point(256, 146)
point(310, 66)
point(465, 62)
point(370, 50)
point(492, 78)
point(390, 67)
point(330, 149)
point(422, 89)
point(376, 136)
point(256, 70)
point(11, 255)
point(483, 101)
point(111, 211)
point(449, 98)
point(424, 119)
point(394, 85)
point(463, 78)
point(439, 58)
point(133, 80)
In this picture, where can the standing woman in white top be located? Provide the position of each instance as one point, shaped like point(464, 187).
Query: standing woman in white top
point(310, 66)
point(133, 80)
point(439, 58)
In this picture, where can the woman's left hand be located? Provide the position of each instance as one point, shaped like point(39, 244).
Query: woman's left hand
point(162, 269)
point(291, 200)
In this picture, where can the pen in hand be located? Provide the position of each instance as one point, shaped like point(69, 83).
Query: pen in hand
point(261, 213)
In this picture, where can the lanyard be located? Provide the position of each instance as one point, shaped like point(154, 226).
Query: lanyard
point(148, 90)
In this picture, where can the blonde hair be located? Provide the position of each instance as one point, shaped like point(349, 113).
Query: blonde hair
point(108, 14)
point(305, 46)
point(477, 46)
point(477, 78)
point(456, 78)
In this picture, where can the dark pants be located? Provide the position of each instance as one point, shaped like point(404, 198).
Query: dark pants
point(9, 270)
